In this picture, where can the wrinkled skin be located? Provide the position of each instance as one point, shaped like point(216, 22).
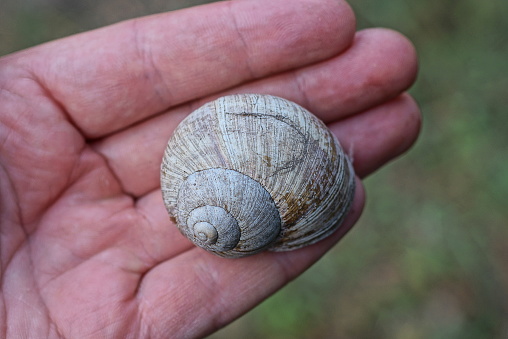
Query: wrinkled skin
point(87, 249)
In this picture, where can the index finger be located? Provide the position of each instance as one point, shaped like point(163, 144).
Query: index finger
point(113, 77)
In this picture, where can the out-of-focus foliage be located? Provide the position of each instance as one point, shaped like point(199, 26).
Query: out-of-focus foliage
point(429, 258)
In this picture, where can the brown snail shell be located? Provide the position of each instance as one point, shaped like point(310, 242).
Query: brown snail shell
point(250, 172)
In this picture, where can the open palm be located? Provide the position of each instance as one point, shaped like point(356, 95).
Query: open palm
point(87, 249)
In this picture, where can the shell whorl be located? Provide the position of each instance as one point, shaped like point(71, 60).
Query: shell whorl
point(274, 169)
point(216, 212)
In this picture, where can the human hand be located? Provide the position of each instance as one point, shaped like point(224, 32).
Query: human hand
point(87, 248)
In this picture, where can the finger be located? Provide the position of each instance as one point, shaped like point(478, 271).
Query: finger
point(374, 138)
point(112, 77)
point(330, 89)
point(214, 291)
point(379, 65)
point(380, 134)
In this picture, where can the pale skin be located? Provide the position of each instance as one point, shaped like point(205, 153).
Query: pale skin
point(87, 249)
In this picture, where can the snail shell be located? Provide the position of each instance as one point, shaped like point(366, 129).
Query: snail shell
point(250, 172)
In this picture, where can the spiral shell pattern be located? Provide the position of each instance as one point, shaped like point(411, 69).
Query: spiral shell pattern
point(249, 172)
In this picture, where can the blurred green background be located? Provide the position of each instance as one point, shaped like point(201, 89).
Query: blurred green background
point(429, 257)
